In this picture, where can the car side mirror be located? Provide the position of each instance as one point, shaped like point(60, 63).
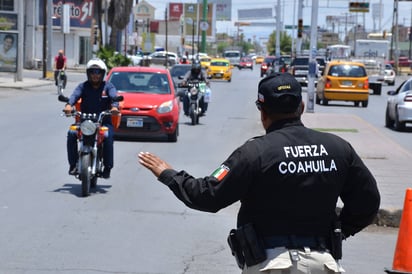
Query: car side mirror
point(391, 92)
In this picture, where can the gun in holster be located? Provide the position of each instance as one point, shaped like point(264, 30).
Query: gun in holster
point(246, 246)
point(336, 241)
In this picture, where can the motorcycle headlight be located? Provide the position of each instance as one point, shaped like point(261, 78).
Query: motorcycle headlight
point(165, 107)
point(88, 127)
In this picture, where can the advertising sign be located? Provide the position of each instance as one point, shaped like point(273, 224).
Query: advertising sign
point(80, 11)
point(8, 52)
point(175, 11)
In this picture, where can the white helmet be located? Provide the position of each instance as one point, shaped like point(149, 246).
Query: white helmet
point(96, 63)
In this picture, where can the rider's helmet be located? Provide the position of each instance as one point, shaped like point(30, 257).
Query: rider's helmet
point(96, 66)
point(196, 67)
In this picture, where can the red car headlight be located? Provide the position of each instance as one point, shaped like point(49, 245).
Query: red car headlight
point(165, 107)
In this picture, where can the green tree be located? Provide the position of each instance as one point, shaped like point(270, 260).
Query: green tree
point(285, 43)
point(118, 18)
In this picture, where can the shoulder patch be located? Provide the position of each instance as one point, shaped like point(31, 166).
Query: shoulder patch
point(221, 172)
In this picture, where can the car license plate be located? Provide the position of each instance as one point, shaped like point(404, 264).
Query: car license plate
point(346, 83)
point(218, 75)
point(134, 122)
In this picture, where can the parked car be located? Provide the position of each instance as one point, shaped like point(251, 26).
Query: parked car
point(343, 81)
point(220, 68)
point(246, 63)
point(150, 107)
point(388, 75)
point(266, 64)
point(399, 106)
point(299, 68)
point(159, 58)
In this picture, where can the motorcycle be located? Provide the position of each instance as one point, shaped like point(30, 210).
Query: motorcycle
point(195, 91)
point(90, 134)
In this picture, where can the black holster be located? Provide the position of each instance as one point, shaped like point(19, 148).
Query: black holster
point(336, 241)
point(246, 246)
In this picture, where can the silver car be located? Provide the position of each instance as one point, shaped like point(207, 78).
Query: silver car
point(399, 106)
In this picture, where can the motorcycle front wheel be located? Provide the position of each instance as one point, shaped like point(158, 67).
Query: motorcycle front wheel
point(85, 174)
point(193, 115)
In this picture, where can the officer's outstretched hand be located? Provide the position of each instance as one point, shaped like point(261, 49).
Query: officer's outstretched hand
point(153, 163)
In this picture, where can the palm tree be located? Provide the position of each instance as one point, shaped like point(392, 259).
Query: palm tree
point(118, 18)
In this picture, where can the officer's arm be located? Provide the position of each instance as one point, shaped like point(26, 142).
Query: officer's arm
point(361, 198)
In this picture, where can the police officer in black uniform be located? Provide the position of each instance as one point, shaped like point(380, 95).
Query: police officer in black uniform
point(288, 182)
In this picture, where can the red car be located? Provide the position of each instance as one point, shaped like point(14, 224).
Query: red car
point(246, 62)
point(150, 107)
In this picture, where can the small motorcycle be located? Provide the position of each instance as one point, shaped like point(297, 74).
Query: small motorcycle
point(90, 134)
point(195, 91)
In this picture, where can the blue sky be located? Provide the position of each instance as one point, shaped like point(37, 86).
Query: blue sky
point(326, 7)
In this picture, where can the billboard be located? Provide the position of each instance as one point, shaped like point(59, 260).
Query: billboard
point(223, 9)
point(8, 52)
point(191, 13)
point(250, 14)
point(175, 11)
point(81, 12)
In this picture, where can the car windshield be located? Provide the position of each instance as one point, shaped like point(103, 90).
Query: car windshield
point(347, 71)
point(219, 64)
point(140, 82)
point(177, 71)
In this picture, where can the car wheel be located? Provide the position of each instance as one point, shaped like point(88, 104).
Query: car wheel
point(356, 103)
point(391, 83)
point(399, 126)
point(230, 79)
point(388, 120)
point(364, 103)
point(325, 102)
point(317, 99)
point(173, 137)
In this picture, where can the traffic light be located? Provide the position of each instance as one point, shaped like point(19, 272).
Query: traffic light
point(300, 28)
point(136, 25)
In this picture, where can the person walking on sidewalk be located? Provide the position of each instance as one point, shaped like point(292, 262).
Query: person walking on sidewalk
point(288, 182)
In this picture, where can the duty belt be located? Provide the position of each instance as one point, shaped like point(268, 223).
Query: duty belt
point(293, 241)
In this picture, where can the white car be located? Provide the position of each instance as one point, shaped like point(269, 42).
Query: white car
point(388, 75)
point(135, 59)
point(399, 106)
point(159, 58)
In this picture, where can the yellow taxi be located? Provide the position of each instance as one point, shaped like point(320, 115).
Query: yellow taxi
point(259, 59)
point(343, 81)
point(205, 61)
point(220, 68)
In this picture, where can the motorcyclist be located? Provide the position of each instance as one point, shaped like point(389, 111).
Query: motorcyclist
point(184, 60)
point(96, 95)
point(195, 73)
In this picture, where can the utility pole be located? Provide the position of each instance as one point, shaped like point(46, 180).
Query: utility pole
point(313, 64)
point(204, 19)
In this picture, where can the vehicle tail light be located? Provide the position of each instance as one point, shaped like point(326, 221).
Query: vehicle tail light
point(408, 98)
point(264, 66)
point(366, 84)
point(328, 83)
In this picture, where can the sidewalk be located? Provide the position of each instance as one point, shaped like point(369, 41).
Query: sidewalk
point(388, 161)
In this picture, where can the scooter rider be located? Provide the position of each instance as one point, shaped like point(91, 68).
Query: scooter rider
point(196, 73)
point(96, 96)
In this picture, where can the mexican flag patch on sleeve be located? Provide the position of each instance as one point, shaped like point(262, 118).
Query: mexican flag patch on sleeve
point(221, 172)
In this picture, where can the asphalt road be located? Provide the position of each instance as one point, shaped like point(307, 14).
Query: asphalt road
point(131, 223)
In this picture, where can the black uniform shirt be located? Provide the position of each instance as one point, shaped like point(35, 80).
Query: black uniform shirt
point(288, 182)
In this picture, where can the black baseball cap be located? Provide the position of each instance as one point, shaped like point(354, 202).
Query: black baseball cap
point(276, 86)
